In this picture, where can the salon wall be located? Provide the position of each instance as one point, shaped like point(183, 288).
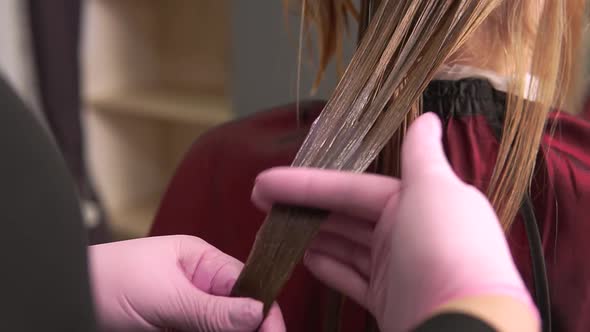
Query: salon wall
point(264, 57)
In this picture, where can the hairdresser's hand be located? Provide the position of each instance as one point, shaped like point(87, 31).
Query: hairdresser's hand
point(401, 248)
point(175, 282)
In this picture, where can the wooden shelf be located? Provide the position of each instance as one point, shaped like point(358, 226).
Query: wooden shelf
point(156, 77)
point(167, 105)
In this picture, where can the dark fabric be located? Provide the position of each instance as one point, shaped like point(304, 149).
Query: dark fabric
point(210, 193)
point(454, 322)
point(55, 27)
point(541, 293)
point(44, 278)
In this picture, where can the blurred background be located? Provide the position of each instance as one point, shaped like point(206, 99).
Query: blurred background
point(126, 86)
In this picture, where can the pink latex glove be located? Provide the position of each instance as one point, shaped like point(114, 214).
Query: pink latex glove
point(171, 282)
point(401, 248)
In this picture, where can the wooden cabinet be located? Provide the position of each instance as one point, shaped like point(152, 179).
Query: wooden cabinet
point(155, 77)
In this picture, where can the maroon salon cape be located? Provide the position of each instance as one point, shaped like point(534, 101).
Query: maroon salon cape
point(209, 196)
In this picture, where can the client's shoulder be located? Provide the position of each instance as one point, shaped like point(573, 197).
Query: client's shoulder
point(569, 134)
point(265, 132)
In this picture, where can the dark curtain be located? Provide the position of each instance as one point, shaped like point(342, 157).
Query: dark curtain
point(56, 27)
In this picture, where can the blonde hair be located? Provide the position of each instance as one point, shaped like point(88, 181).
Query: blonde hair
point(541, 38)
point(403, 48)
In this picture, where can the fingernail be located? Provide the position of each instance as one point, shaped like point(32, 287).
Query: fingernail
point(248, 316)
point(434, 125)
point(263, 174)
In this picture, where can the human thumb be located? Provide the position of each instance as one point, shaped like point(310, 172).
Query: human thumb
point(422, 150)
point(199, 311)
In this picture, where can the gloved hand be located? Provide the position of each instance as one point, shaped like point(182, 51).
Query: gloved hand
point(402, 248)
point(171, 282)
